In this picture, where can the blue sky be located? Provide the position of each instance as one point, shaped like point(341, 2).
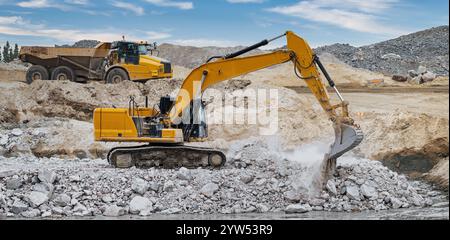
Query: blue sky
point(216, 22)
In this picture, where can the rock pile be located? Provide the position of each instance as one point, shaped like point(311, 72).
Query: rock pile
point(191, 57)
point(427, 48)
point(15, 65)
point(419, 76)
point(82, 44)
point(51, 187)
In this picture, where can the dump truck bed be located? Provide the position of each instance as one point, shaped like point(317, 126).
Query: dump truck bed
point(86, 62)
point(100, 51)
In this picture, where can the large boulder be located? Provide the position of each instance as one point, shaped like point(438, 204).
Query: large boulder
point(184, 174)
point(18, 207)
point(421, 70)
point(47, 176)
point(209, 189)
point(331, 187)
point(36, 198)
point(138, 204)
point(428, 77)
point(368, 191)
point(399, 78)
point(62, 200)
point(352, 192)
point(13, 183)
point(298, 208)
point(139, 185)
point(114, 211)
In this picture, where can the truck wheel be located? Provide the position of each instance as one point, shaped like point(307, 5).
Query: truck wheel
point(63, 73)
point(36, 72)
point(116, 75)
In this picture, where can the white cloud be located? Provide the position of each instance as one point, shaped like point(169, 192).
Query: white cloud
point(373, 6)
point(245, 1)
point(151, 35)
point(42, 4)
point(202, 42)
point(12, 20)
point(130, 7)
point(34, 4)
point(77, 2)
point(361, 16)
point(169, 3)
point(17, 26)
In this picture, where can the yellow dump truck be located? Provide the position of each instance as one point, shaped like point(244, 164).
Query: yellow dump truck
point(113, 62)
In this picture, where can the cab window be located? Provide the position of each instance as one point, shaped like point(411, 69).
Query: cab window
point(142, 50)
point(129, 53)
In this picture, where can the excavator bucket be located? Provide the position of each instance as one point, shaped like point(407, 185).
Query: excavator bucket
point(347, 137)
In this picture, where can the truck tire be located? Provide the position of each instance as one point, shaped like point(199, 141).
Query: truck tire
point(36, 72)
point(63, 73)
point(116, 75)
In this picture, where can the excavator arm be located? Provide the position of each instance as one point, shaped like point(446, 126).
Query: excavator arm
point(298, 51)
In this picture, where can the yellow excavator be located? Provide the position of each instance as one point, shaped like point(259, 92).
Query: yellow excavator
point(182, 119)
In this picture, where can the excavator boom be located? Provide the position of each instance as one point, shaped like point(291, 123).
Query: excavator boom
point(170, 117)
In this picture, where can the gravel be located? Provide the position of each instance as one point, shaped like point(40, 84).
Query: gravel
point(268, 183)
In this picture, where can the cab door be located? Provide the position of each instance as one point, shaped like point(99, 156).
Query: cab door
point(129, 53)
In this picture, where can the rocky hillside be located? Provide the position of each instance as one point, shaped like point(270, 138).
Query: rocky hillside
point(191, 57)
point(81, 44)
point(428, 48)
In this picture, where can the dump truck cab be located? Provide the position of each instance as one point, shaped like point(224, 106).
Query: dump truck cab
point(137, 59)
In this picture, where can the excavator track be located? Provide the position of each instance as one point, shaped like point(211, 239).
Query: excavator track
point(165, 156)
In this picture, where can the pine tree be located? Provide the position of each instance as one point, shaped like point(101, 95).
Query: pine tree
point(0, 55)
point(10, 55)
point(16, 51)
point(6, 52)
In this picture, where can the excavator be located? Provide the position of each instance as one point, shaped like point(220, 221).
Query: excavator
point(165, 129)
